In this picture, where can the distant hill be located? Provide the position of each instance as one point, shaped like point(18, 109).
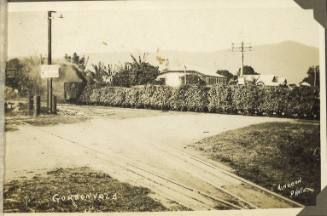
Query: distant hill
point(287, 59)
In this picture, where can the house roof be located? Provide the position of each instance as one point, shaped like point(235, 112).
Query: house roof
point(269, 79)
point(189, 72)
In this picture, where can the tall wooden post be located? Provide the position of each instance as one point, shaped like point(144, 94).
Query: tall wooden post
point(48, 101)
point(50, 95)
point(241, 48)
point(36, 105)
point(54, 105)
point(30, 104)
point(49, 82)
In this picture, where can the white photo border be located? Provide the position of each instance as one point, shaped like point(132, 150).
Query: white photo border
point(92, 5)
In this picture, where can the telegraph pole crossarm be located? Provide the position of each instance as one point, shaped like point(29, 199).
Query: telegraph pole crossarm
point(242, 48)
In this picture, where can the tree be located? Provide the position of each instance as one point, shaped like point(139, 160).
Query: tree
point(227, 74)
point(24, 75)
point(102, 73)
point(81, 62)
point(247, 70)
point(137, 72)
point(313, 77)
point(122, 77)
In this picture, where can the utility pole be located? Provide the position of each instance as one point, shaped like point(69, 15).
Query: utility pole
point(241, 48)
point(50, 97)
point(49, 80)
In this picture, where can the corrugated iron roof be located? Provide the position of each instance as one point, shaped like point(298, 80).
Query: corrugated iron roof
point(190, 72)
point(269, 80)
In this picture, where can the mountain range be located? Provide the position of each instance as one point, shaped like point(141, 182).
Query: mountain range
point(287, 59)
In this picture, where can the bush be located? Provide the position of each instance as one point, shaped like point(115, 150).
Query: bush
point(220, 98)
point(300, 102)
point(245, 99)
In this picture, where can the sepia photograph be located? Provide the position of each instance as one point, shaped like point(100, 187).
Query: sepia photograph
point(162, 106)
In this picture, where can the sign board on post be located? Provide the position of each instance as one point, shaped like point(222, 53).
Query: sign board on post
point(50, 71)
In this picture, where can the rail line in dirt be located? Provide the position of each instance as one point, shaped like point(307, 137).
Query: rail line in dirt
point(149, 175)
point(157, 179)
point(151, 155)
point(218, 169)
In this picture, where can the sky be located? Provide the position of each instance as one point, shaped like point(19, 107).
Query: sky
point(197, 26)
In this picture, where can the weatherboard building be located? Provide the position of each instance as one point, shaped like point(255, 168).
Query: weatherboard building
point(176, 78)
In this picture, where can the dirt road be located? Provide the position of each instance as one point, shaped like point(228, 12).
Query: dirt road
point(144, 148)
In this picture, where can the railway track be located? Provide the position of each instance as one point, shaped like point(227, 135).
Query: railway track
point(214, 196)
point(217, 169)
point(154, 179)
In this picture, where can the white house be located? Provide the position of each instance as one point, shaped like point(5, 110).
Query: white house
point(176, 78)
point(266, 80)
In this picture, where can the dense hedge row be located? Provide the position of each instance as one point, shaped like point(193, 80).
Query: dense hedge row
point(301, 102)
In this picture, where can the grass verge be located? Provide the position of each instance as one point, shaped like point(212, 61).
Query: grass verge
point(76, 190)
point(281, 156)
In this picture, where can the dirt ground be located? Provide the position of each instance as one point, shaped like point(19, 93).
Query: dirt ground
point(140, 147)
